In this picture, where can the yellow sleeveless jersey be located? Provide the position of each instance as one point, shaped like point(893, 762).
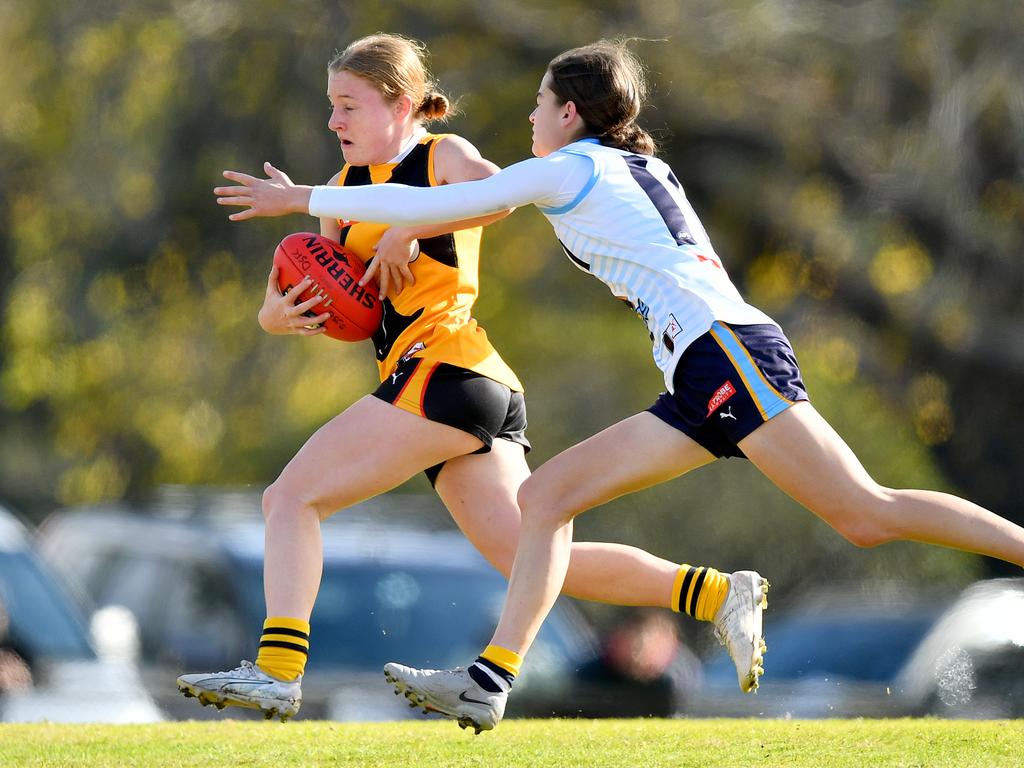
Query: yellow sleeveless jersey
point(431, 319)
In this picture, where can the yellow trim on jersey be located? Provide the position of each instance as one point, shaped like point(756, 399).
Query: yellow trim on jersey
point(430, 158)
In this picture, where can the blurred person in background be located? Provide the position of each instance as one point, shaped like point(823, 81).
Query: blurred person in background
point(15, 674)
point(645, 670)
point(447, 405)
point(734, 387)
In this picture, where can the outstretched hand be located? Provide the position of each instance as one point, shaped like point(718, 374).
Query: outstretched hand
point(274, 196)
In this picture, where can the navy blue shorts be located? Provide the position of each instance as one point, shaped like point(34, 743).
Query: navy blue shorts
point(729, 382)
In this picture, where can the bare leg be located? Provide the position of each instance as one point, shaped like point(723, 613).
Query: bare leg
point(636, 453)
point(370, 448)
point(480, 492)
point(799, 452)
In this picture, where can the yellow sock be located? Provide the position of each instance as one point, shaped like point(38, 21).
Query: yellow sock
point(284, 647)
point(508, 660)
point(699, 591)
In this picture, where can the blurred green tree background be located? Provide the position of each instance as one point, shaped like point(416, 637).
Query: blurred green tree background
point(859, 165)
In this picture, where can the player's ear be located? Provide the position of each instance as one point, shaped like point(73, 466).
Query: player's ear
point(403, 106)
point(570, 114)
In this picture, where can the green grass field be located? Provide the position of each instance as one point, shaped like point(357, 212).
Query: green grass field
point(527, 743)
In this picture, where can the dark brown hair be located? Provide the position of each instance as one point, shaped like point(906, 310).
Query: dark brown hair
point(606, 83)
point(395, 66)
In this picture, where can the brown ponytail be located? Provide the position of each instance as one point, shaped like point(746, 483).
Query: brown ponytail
point(631, 138)
point(436, 106)
point(605, 81)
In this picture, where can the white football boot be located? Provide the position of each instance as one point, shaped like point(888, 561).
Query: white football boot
point(245, 686)
point(450, 692)
point(738, 626)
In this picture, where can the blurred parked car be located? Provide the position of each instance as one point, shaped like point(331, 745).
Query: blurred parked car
point(971, 663)
point(49, 669)
point(192, 574)
point(839, 654)
point(948, 656)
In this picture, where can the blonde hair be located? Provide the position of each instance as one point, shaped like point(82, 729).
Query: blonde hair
point(395, 65)
point(606, 83)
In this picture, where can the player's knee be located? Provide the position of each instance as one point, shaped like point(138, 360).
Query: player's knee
point(281, 503)
point(862, 535)
point(863, 519)
point(540, 503)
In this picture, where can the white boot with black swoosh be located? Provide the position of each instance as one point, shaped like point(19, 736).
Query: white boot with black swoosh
point(450, 692)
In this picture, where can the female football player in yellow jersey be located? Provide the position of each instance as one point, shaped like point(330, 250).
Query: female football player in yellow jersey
point(447, 403)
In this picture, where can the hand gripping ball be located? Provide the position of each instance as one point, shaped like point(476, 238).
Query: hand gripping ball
point(355, 311)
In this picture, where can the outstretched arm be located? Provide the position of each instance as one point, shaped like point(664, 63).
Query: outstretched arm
point(537, 180)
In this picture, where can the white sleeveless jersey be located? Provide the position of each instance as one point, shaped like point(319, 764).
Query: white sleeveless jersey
point(632, 228)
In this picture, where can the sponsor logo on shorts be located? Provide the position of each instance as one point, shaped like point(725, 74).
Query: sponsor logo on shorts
point(722, 394)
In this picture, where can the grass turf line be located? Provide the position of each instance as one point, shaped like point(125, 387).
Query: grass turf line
point(526, 743)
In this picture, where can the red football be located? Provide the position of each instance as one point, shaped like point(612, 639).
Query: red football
point(355, 310)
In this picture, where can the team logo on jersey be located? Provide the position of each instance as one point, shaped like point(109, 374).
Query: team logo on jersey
point(674, 328)
point(722, 394)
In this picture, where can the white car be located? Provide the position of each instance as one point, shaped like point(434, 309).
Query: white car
point(50, 669)
point(971, 663)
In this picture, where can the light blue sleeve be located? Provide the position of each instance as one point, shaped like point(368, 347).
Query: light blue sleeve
point(547, 182)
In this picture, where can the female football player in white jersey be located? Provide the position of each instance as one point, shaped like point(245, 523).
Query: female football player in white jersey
point(733, 385)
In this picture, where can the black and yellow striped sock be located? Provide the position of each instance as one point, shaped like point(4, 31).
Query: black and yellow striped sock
point(496, 668)
point(699, 591)
point(284, 647)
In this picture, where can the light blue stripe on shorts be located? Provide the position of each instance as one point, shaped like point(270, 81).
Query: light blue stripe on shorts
point(765, 396)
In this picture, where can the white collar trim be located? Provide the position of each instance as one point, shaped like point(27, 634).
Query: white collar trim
point(418, 133)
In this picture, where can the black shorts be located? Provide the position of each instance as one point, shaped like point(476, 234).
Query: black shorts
point(729, 382)
point(460, 398)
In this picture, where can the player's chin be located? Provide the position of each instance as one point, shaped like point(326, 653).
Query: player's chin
point(351, 154)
